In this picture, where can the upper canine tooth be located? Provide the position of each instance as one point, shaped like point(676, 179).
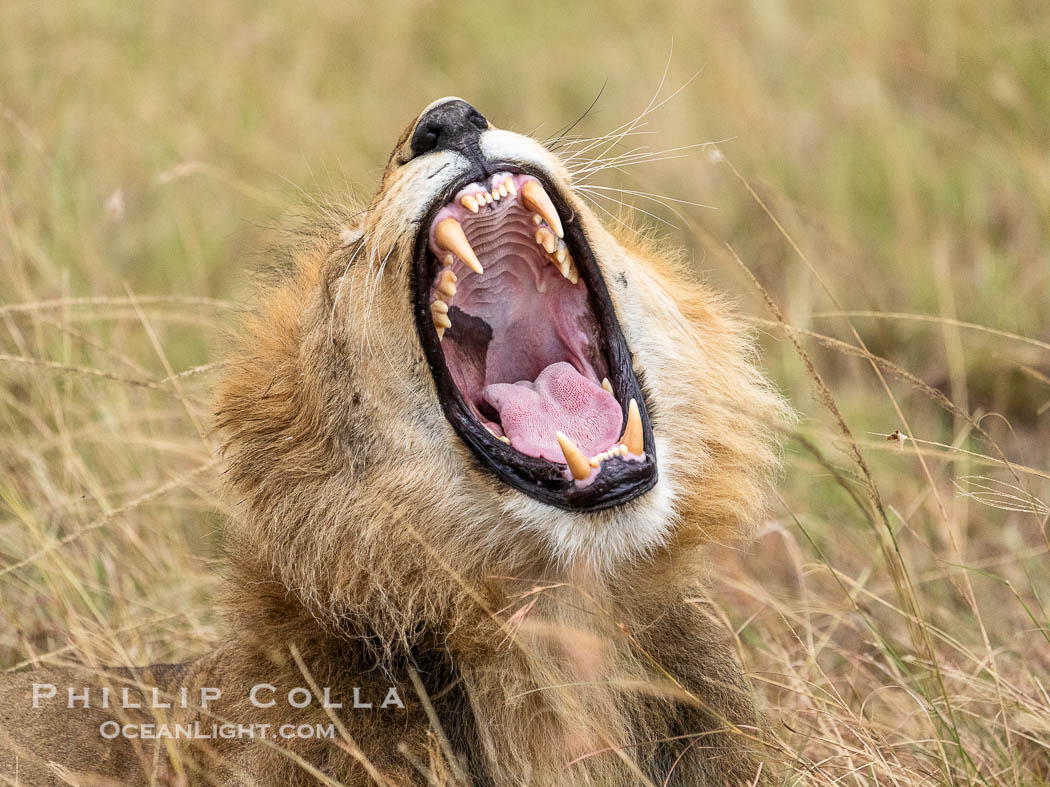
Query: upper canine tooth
point(574, 458)
point(632, 433)
point(536, 199)
point(546, 240)
point(449, 235)
point(470, 203)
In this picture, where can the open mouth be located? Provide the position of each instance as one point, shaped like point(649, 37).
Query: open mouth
point(531, 366)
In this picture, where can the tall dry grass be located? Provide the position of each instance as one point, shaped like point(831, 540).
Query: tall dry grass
point(879, 203)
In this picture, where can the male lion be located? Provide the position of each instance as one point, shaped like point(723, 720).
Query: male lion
point(476, 444)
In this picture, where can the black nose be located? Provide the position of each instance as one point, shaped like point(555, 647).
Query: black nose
point(453, 125)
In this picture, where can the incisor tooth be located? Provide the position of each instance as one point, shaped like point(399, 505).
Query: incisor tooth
point(495, 194)
point(537, 219)
point(509, 183)
point(470, 203)
point(503, 189)
point(632, 433)
point(447, 260)
point(562, 251)
point(607, 385)
point(537, 199)
point(574, 458)
point(488, 198)
point(449, 235)
point(546, 240)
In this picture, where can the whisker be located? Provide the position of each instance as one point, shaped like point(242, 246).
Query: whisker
point(631, 207)
point(339, 290)
point(649, 195)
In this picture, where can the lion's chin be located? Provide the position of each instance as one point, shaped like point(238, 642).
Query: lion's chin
point(530, 363)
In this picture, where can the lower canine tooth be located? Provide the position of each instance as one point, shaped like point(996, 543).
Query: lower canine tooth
point(449, 235)
point(578, 464)
point(632, 433)
point(607, 385)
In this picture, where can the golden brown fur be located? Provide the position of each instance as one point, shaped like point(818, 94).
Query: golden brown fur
point(555, 648)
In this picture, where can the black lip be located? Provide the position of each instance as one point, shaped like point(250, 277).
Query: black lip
point(619, 480)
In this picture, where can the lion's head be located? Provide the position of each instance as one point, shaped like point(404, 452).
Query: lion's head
point(474, 370)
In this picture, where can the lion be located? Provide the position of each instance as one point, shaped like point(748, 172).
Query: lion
point(476, 442)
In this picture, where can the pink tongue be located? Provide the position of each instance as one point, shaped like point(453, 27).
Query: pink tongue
point(560, 400)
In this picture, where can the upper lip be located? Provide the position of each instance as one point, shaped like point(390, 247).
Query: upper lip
point(617, 482)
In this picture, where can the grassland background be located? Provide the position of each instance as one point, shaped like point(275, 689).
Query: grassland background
point(893, 616)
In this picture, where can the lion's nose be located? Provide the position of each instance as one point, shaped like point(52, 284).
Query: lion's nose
point(452, 124)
